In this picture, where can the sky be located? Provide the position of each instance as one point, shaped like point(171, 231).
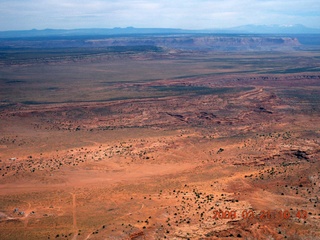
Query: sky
point(186, 14)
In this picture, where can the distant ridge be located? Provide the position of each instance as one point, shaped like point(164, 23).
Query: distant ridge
point(246, 29)
point(276, 29)
point(88, 32)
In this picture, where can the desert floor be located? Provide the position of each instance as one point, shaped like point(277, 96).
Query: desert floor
point(207, 157)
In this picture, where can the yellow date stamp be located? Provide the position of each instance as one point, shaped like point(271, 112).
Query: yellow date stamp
point(260, 215)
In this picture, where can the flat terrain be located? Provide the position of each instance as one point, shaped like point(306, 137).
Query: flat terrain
point(151, 143)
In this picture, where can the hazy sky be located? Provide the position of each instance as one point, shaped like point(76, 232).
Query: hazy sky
point(187, 14)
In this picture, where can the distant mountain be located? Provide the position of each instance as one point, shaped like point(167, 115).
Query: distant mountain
point(246, 29)
point(89, 32)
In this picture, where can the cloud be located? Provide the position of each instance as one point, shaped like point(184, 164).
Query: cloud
point(195, 14)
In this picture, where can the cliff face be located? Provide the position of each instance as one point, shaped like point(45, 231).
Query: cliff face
point(205, 43)
point(191, 42)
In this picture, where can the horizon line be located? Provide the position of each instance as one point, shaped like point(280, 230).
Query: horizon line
point(285, 26)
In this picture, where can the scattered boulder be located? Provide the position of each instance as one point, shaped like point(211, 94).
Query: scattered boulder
point(301, 154)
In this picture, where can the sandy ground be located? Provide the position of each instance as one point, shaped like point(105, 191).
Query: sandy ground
point(242, 165)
